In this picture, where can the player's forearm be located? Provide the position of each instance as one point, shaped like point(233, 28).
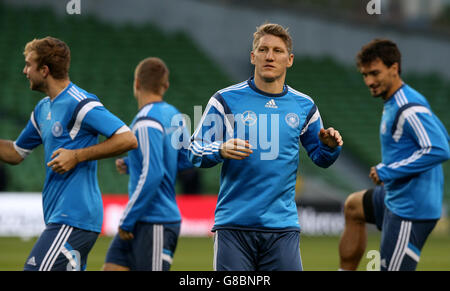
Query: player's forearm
point(411, 166)
point(113, 146)
point(204, 155)
point(141, 204)
point(322, 155)
point(8, 153)
point(326, 156)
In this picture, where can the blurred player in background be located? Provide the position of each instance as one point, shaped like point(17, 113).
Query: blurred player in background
point(67, 122)
point(407, 201)
point(256, 221)
point(150, 225)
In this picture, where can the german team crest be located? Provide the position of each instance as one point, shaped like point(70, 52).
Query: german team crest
point(57, 129)
point(292, 120)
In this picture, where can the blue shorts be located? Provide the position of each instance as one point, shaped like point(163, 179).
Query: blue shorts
point(241, 250)
point(151, 249)
point(61, 248)
point(401, 239)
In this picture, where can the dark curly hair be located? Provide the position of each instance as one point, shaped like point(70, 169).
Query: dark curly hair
point(384, 49)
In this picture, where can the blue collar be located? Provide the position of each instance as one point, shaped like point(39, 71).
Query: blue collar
point(391, 97)
point(150, 103)
point(251, 83)
point(62, 92)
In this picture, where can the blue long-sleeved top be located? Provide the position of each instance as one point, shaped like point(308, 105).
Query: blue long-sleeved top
point(414, 144)
point(72, 120)
point(259, 191)
point(153, 166)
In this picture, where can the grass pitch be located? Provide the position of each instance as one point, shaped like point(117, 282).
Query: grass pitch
point(196, 253)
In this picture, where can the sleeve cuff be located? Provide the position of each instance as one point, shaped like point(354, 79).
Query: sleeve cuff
point(21, 151)
point(122, 129)
point(380, 168)
point(332, 151)
point(125, 228)
point(217, 154)
point(127, 162)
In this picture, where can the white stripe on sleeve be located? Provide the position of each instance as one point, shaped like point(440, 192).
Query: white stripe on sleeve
point(145, 149)
point(33, 121)
point(80, 116)
point(148, 123)
point(313, 119)
point(404, 115)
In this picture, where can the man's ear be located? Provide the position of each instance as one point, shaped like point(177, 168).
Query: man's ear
point(291, 60)
point(252, 58)
point(45, 71)
point(164, 87)
point(137, 86)
point(395, 68)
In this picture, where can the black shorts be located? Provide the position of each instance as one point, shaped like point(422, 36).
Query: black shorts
point(152, 248)
point(402, 239)
point(61, 248)
point(246, 250)
point(373, 205)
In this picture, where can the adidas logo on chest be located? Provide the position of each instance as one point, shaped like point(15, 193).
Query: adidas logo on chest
point(271, 104)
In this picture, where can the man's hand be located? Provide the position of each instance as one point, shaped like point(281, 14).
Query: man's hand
point(125, 235)
point(63, 160)
point(236, 149)
point(121, 166)
point(331, 137)
point(374, 176)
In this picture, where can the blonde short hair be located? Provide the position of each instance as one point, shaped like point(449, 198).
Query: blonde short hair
point(273, 29)
point(51, 52)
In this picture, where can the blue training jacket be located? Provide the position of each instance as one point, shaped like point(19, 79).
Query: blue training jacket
point(162, 152)
point(414, 144)
point(258, 193)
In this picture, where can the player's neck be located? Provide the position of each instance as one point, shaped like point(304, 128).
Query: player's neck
point(275, 87)
point(55, 87)
point(146, 98)
point(397, 84)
